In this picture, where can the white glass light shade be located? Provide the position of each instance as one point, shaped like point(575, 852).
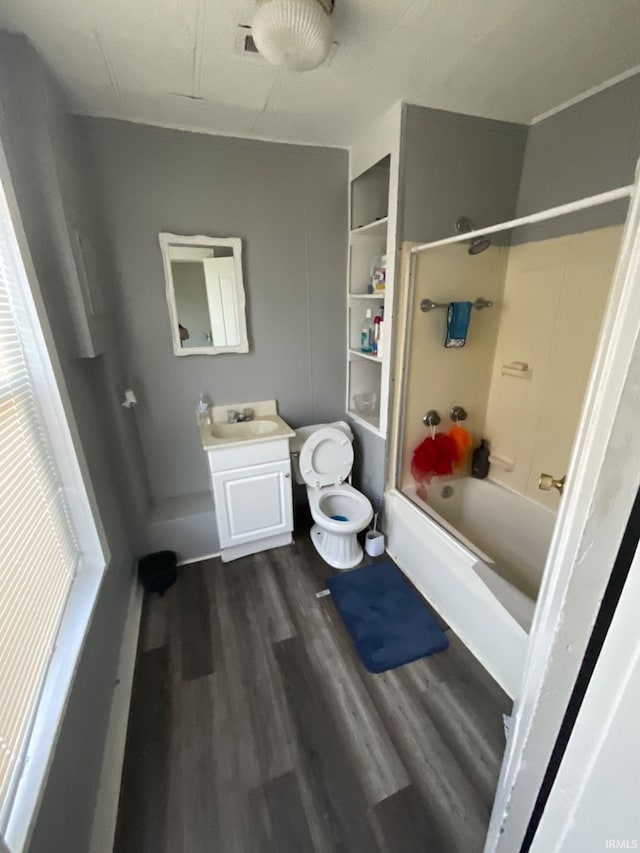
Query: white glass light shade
point(293, 33)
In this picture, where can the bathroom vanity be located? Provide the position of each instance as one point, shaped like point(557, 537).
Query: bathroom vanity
point(250, 472)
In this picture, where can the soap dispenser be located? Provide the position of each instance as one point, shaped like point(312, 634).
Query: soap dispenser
point(203, 415)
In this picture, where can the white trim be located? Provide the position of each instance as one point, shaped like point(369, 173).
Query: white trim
point(532, 218)
point(199, 559)
point(383, 139)
point(594, 90)
point(166, 240)
point(52, 707)
point(58, 412)
point(95, 554)
point(595, 794)
point(378, 225)
point(354, 353)
point(603, 480)
point(106, 811)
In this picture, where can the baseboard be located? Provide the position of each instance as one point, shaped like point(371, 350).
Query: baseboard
point(106, 812)
point(198, 559)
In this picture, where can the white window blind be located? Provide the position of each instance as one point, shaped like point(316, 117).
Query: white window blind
point(38, 549)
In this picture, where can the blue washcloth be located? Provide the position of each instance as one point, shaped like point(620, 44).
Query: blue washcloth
point(458, 318)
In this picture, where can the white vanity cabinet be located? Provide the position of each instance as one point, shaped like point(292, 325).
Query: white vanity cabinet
point(252, 494)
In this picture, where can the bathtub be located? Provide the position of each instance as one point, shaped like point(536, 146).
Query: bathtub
point(485, 592)
point(508, 531)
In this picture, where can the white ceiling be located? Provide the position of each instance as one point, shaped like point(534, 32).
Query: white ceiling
point(506, 59)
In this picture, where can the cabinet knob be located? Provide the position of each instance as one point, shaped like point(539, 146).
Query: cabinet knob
point(287, 476)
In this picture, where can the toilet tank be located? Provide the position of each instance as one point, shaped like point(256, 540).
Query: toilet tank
point(302, 434)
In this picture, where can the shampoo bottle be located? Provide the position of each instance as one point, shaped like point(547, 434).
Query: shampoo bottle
point(480, 461)
point(377, 320)
point(366, 333)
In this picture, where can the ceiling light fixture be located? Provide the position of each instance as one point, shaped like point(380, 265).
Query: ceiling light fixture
point(294, 34)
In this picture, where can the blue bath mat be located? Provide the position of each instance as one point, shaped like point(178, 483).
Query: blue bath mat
point(387, 620)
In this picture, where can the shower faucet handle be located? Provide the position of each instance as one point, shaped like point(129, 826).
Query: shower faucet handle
point(548, 482)
point(431, 418)
point(457, 413)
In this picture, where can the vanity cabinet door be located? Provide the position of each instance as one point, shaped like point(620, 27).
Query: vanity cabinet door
point(253, 503)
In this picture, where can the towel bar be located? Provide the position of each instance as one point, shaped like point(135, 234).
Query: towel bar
point(428, 305)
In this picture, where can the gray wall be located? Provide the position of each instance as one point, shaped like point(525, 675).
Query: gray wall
point(586, 149)
point(289, 205)
point(369, 464)
point(456, 165)
point(39, 152)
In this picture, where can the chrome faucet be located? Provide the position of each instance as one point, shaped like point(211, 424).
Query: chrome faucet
point(235, 417)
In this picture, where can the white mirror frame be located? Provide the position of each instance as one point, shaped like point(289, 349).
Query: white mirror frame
point(235, 243)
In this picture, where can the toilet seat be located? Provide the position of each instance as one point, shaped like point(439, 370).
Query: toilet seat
point(326, 458)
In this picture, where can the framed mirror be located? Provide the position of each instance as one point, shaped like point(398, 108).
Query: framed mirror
point(205, 294)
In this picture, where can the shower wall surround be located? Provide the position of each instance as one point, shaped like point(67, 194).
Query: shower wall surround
point(555, 294)
point(439, 378)
point(523, 372)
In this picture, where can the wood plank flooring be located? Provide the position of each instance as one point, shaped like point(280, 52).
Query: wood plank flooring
point(255, 729)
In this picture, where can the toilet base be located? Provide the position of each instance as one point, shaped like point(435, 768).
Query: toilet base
point(339, 551)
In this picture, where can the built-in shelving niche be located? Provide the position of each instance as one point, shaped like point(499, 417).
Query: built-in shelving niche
point(368, 242)
point(370, 195)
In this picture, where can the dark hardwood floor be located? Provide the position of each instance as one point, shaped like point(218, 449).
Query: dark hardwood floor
point(253, 726)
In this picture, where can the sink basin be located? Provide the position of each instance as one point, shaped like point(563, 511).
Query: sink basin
point(243, 429)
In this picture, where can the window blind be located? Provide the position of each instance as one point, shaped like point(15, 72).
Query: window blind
point(38, 548)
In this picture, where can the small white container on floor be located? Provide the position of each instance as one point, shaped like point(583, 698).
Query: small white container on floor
point(374, 543)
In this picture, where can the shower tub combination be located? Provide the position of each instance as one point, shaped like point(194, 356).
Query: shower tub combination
point(476, 549)
point(485, 586)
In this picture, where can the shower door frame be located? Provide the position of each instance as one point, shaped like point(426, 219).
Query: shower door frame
point(604, 478)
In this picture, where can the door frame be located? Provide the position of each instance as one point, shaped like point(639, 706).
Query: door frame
point(603, 478)
point(604, 744)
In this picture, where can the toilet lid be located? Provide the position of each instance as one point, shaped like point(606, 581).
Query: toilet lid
point(326, 457)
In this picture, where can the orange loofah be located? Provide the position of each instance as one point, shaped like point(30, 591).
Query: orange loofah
point(462, 441)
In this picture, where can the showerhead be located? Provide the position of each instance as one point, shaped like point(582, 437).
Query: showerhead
point(479, 244)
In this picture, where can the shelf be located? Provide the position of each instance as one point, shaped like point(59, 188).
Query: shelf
point(379, 226)
point(370, 193)
point(371, 422)
point(357, 354)
point(379, 295)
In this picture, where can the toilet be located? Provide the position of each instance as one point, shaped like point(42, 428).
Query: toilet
point(322, 457)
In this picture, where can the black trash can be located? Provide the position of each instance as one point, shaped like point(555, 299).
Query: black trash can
point(157, 572)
